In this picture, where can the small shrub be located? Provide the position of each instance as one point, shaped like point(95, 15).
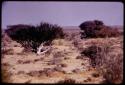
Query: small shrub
point(48, 71)
point(75, 43)
point(33, 73)
point(66, 58)
point(73, 35)
point(76, 70)
point(79, 57)
point(63, 65)
point(95, 74)
point(88, 79)
point(7, 51)
point(16, 46)
point(67, 36)
point(6, 64)
point(58, 55)
point(67, 81)
point(55, 61)
point(92, 53)
point(20, 62)
point(6, 39)
point(57, 68)
point(35, 60)
point(26, 62)
point(20, 72)
point(82, 63)
point(6, 75)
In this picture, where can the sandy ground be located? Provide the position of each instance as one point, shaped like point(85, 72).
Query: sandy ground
point(58, 64)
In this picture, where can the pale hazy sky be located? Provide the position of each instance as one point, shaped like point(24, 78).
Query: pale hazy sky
point(61, 13)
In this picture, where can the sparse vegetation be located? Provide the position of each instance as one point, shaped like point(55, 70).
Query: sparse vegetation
point(93, 60)
point(107, 59)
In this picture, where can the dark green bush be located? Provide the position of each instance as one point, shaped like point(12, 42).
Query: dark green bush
point(31, 37)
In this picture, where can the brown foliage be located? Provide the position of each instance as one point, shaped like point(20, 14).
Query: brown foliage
point(96, 28)
point(6, 75)
point(67, 81)
point(107, 32)
point(108, 60)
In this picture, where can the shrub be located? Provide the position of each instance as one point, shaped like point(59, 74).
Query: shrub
point(107, 61)
point(76, 70)
point(96, 28)
point(107, 32)
point(7, 51)
point(31, 37)
point(95, 75)
point(5, 40)
point(58, 54)
point(88, 79)
point(6, 75)
point(63, 65)
point(48, 71)
point(75, 43)
point(55, 61)
point(33, 73)
point(79, 57)
point(67, 81)
point(92, 53)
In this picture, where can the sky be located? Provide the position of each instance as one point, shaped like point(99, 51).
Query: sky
point(61, 13)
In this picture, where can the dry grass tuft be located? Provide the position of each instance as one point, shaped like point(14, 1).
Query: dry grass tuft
point(7, 51)
point(108, 58)
point(6, 75)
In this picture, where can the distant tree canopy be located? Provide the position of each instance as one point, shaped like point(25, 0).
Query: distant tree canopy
point(96, 28)
point(30, 36)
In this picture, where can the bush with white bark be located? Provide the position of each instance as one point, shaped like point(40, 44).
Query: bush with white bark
point(33, 37)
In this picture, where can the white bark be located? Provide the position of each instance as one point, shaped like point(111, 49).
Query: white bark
point(41, 47)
